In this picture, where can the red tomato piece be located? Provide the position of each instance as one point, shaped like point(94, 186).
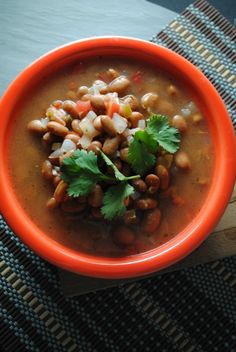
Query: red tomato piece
point(112, 107)
point(83, 106)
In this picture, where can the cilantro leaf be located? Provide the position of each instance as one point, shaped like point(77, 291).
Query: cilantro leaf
point(139, 156)
point(144, 137)
point(87, 161)
point(82, 185)
point(118, 175)
point(166, 136)
point(113, 201)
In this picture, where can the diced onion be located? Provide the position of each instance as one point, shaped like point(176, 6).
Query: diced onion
point(126, 132)
point(87, 126)
point(56, 153)
point(54, 172)
point(130, 139)
point(188, 109)
point(134, 130)
point(91, 115)
point(120, 123)
point(142, 124)
point(44, 121)
point(67, 146)
point(185, 112)
point(85, 141)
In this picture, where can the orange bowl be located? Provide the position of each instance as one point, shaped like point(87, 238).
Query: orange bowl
point(223, 179)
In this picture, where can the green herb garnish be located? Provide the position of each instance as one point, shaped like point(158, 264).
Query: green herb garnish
point(144, 147)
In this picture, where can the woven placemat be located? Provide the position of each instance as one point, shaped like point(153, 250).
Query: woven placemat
point(187, 310)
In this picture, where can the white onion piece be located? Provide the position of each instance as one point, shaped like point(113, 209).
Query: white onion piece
point(68, 145)
point(142, 124)
point(87, 126)
point(85, 141)
point(120, 123)
point(134, 130)
point(54, 172)
point(60, 113)
point(44, 121)
point(113, 97)
point(130, 139)
point(57, 168)
point(191, 106)
point(185, 112)
point(56, 153)
point(99, 84)
point(126, 132)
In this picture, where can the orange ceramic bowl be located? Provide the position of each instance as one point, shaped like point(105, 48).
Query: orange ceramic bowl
point(223, 176)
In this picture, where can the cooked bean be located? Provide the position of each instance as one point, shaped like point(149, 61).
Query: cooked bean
point(71, 206)
point(86, 97)
point(98, 124)
point(135, 118)
point(152, 189)
point(197, 117)
point(118, 164)
point(56, 115)
point(130, 217)
point(74, 137)
point(163, 175)
point(152, 221)
point(60, 191)
point(82, 90)
point(57, 129)
point(75, 125)
point(37, 127)
point(124, 154)
point(70, 107)
point(165, 107)
point(96, 196)
point(57, 104)
point(103, 90)
point(139, 185)
point(112, 73)
point(71, 95)
point(94, 147)
point(108, 125)
point(111, 145)
point(165, 160)
point(149, 100)
point(179, 122)
point(131, 100)
point(152, 180)
point(182, 160)
point(56, 180)
point(52, 203)
point(81, 199)
point(119, 84)
point(146, 203)
point(98, 102)
point(172, 90)
point(123, 236)
point(47, 170)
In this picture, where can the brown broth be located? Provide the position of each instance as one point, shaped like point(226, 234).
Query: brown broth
point(27, 154)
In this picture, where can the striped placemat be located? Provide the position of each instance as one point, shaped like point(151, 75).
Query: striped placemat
point(188, 310)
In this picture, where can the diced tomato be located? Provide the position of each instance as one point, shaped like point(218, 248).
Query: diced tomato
point(137, 77)
point(83, 107)
point(112, 107)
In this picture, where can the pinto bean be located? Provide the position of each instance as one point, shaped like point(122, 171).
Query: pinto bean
point(179, 122)
point(111, 145)
point(47, 170)
point(152, 221)
point(57, 129)
point(70, 107)
point(60, 191)
point(126, 170)
point(118, 164)
point(75, 125)
point(96, 213)
point(197, 117)
point(119, 84)
point(82, 90)
point(124, 154)
point(123, 236)
point(36, 126)
point(112, 73)
point(182, 160)
point(56, 180)
point(108, 125)
point(94, 147)
point(131, 100)
point(172, 90)
point(152, 180)
point(96, 196)
point(57, 104)
point(56, 115)
point(135, 117)
point(163, 174)
point(139, 185)
point(74, 137)
point(152, 189)
point(97, 123)
point(146, 203)
point(51, 203)
point(98, 102)
point(149, 100)
point(71, 206)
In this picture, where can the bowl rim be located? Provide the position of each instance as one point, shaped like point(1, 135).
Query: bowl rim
point(170, 252)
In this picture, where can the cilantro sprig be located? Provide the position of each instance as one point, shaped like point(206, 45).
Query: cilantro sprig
point(143, 149)
point(81, 172)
